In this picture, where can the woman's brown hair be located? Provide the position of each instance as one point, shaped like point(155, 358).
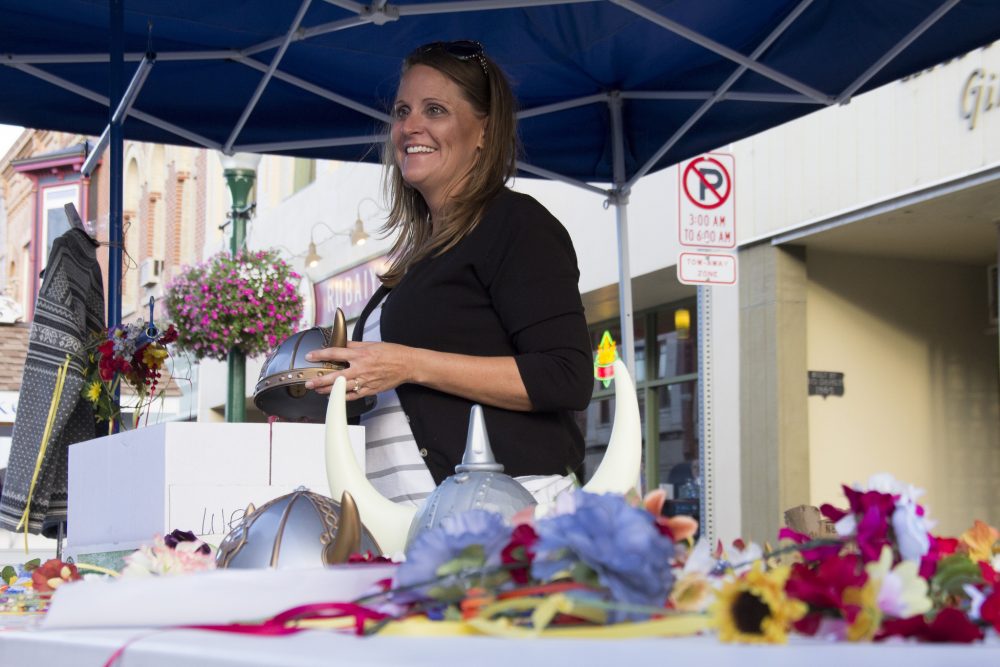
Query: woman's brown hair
point(486, 88)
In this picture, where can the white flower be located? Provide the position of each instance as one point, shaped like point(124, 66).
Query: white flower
point(911, 531)
point(886, 483)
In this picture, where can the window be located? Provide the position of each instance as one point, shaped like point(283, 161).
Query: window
point(54, 220)
point(304, 173)
point(666, 370)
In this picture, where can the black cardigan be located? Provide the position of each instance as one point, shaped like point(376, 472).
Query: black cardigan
point(509, 288)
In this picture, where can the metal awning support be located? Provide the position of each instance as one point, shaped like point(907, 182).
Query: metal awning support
point(128, 99)
point(717, 95)
point(275, 61)
point(896, 50)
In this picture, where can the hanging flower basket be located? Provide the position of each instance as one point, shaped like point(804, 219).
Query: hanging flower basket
point(249, 302)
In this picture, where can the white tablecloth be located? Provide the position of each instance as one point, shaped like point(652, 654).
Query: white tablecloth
point(181, 648)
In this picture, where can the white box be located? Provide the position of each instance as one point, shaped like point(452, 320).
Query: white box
point(126, 488)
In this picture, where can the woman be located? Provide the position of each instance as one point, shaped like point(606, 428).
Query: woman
point(481, 303)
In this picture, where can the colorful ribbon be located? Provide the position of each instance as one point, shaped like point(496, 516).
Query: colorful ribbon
point(46, 435)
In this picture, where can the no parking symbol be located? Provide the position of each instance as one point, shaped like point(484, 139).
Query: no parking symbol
point(707, 201)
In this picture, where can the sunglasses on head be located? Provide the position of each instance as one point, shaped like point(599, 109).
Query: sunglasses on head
point(462, 49)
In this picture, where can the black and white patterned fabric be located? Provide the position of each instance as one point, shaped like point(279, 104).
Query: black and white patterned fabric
point(70, 307)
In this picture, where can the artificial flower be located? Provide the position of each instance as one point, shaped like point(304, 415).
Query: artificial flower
point(902, 591)
point(989, 609)
point(740, 556)
point(93, 391)
point(677, 528)
point(887, 484)
point(868, 616)
point(619, 544)
point(133, 353)
point(980, 540)
point(753, 608)
point(829, 587)
point(520, 550)
point(163, 558)
point(949, 625)
point(692, 592)
point(939, 548)
point(911, 531)
point(461, 542)
point(52, 574)
point(186, 540)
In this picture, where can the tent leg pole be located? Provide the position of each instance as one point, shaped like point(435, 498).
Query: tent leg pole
point(116, 145)
point(116, 72)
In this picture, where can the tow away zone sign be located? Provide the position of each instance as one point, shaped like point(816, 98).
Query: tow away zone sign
point(702, 268)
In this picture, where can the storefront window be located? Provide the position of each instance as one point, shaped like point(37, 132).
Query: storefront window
point(667, 388)
point(54, 219)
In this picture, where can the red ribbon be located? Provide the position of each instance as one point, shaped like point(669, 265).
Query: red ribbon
point(279, 625)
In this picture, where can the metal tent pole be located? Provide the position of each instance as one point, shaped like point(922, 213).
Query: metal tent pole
point(619, 197)
point(116, 71)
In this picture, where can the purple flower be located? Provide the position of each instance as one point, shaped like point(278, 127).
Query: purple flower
point(448, 540)
point(178, 536)
point(620, 543)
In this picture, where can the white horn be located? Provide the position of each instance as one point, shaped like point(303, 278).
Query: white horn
point(619, 470)
point(388, 522)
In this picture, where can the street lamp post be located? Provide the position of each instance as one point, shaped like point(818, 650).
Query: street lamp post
point(240, 170)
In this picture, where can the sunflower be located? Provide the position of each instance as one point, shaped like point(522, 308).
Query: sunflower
point(754, 608)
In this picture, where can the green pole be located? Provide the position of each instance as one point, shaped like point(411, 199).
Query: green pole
point(240, 182)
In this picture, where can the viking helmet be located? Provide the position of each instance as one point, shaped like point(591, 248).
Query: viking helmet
point(281, 389)
point(300, 529)
point(478, 483)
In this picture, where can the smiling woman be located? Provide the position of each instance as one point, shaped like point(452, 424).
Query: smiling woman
point(481, 303)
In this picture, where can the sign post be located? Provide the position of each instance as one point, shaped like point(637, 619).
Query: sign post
point(707, 220)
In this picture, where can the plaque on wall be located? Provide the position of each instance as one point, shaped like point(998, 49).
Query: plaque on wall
point(826, 383)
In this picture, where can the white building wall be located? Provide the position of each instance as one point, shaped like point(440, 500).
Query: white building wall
point(896, 139)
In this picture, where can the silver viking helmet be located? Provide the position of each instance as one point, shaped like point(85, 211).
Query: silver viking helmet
point(478, 483)
point(390, 523)
point(281, 389)
point(300, 529)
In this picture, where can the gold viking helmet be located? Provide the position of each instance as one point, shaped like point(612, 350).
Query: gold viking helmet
point(281, 389)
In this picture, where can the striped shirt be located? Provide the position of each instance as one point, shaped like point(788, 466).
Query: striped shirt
point(394, 464)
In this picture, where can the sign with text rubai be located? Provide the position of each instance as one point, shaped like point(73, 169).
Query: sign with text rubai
point(348, 290)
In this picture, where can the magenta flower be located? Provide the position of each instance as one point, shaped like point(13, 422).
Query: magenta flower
point(216, 306)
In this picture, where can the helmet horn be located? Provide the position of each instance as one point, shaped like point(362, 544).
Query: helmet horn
point(619, 469)
point(388, 522)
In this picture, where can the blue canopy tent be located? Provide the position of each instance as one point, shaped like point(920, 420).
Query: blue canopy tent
point(610, 89)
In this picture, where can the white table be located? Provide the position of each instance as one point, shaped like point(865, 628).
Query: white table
point(176, 648)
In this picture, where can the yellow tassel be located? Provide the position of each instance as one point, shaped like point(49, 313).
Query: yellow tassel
point(97, 568)
point(53, 408)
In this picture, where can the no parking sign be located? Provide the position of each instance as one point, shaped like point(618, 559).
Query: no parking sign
point(707, 201)
point(707, 219)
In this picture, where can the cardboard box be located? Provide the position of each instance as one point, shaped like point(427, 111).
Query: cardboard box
point(126, 488)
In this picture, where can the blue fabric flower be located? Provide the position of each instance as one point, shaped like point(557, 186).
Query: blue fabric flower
point(620, 543)
point(445, 542)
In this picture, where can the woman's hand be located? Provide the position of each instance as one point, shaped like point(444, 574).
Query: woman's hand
point(374, 367)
